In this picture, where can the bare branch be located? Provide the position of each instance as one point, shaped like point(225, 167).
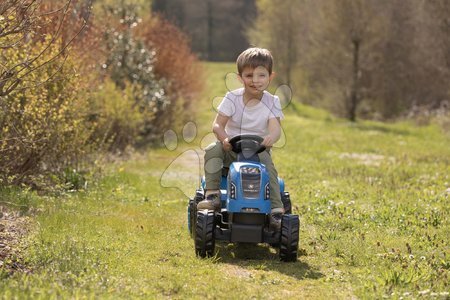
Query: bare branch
point(16, 74)
point(49, 79)
point(53, 11)
point(51, 41)
point(56, 55)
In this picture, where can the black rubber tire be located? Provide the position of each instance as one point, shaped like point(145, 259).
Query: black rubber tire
point(199, 196)
point(191, 216)
point(286, 199)
point(290, 226)
point(204, 234)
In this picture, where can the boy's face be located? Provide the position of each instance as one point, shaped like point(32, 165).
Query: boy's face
point(255, 80)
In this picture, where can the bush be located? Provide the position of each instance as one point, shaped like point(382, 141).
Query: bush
point(426, 114)
point(118, 120)
point(130, 63)
point(43, 122)
point(117, 88)
point(177, 65)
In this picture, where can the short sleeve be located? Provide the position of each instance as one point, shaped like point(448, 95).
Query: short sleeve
point(227, 106)
point(276, 111)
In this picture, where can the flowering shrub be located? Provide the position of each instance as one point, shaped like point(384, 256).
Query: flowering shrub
point(43, 126)
point(130, 64)
point(118, 120)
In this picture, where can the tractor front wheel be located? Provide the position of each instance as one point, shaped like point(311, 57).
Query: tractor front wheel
point(204, 233)
point(290, 225)
point(192, 211)
point(286, 199)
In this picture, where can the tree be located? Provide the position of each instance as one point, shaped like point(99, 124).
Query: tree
point(341, 53)
point(216, 28)
point(371, 58)
point(278, 27)
point(395, 69)
point(412, 70)
point(433, 55)
point(20, 22)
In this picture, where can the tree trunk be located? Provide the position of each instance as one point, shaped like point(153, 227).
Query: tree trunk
point(354, 94)
point(210, 29)
point(290, 51)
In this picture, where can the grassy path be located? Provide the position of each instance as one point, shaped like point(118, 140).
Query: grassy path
point(373, 201)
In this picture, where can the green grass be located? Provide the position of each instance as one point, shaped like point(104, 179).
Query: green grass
point(373, 201)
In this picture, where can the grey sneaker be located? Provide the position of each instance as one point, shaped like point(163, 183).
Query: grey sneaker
point(212, 202)
point(275, 221)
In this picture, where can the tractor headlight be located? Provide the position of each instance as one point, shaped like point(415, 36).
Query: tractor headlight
point(250, 170)
point(267, 192)
point(232, 191)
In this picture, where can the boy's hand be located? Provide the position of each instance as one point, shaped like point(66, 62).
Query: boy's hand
point(268, 141)
point(226, 145)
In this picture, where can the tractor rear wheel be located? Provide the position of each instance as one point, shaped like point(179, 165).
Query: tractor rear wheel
point(290, 225)
point(192, 213)
point(204, 233)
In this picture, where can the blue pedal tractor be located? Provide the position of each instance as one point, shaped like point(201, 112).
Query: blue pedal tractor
point(245, 207)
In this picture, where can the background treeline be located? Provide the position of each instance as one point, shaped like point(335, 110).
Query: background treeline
point(373, 59)
point(217, 28)
point(378, 59)
point(77, 80)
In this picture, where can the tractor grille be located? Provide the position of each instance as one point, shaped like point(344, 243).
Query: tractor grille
point(251, 185)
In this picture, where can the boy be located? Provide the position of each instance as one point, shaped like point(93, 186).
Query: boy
point(249, 110)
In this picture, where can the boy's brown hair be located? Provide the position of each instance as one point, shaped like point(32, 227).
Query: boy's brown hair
point(255, 57)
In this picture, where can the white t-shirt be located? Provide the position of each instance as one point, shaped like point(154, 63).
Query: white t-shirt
point(249, 119)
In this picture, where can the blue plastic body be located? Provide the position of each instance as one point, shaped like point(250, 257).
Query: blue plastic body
point(281, 183)
point(241, 203)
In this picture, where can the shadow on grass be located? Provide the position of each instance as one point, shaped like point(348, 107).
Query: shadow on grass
point(263, 257)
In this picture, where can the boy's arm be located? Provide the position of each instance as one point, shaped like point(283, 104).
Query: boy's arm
point(274, 128)
point(219, 130)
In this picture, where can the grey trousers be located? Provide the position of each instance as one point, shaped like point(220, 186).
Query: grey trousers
point(216, 158)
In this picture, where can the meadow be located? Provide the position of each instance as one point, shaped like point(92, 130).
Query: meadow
point(373, 201)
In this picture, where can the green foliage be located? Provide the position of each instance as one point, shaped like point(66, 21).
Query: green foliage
point(119, 119)
point(129, 61)
point(18, 199)
point(73, 180)
point(43, 123)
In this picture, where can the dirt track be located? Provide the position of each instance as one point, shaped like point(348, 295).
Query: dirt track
point(13, 228)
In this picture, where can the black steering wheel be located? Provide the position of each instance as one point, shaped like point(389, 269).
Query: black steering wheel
point(248, 144)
